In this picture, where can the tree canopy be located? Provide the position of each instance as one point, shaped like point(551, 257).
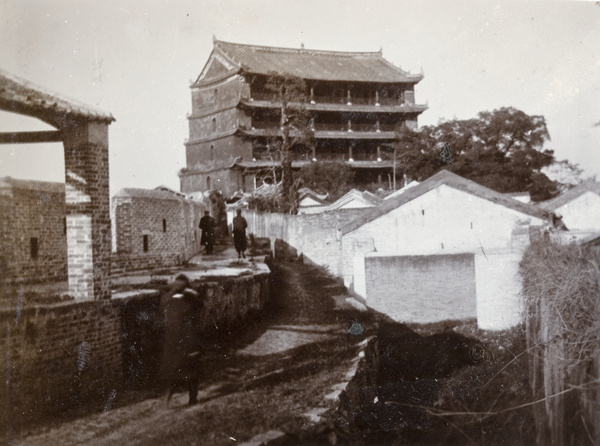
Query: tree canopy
point(334, 178)
point(503, 149)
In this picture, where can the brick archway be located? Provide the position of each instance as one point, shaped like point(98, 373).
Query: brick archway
point(84, 134)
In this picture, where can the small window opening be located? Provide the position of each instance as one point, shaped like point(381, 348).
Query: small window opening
point(34, 247)
point(214, 124)
point(212, 153)
point(471, 225)
point(64, 225)
point(146, 243)
point(164, 225)
point(207, 183)
point(422, 211)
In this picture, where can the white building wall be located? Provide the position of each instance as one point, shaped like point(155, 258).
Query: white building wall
point(498, 285)
point(442, 221)
point(582, 213)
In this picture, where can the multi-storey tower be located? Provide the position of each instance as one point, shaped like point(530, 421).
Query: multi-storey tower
point(357, 102)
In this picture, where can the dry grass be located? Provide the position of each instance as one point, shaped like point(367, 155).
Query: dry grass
point(562, 291)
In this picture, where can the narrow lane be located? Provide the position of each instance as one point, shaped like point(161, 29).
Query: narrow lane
point(280, 367)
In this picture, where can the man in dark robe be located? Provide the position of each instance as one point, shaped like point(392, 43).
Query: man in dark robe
point(180, 310)
point(239, 234)
point(207, 225)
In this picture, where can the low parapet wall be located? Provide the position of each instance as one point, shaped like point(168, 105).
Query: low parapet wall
point(57, 357)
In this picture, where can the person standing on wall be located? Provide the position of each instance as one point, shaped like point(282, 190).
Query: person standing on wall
point(179, 312)
point(207, 225)
point(239, 234)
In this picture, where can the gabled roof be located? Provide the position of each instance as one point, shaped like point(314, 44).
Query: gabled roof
point(306, 64)
point(20, 96)
point(401, 190)
point(367, 199)
point(449, 179)
point(572, 194)
point(307, 192)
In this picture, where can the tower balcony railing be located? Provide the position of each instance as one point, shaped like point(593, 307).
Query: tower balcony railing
point(336, 100)
point(262, 154)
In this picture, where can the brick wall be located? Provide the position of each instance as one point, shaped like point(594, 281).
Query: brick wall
point(33, 229)
point(315, 236)
point(421, 288)
point(55, 357)
point(154, 228)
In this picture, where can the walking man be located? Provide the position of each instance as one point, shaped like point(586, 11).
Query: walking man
point(180, 310)
point(207, 225)
point(239, 234)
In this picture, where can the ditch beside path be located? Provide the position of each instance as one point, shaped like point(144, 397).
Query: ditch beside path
point(281, 367)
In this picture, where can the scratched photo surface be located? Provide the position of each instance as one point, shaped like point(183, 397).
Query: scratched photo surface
point(322, 223)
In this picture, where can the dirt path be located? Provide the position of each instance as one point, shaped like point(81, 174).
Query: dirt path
point(281, 367)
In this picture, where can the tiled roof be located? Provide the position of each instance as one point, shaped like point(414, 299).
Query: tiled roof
point(366, 198)
point(313, 64)
point(20, 96)
point(572, 194)
point(450, 179)
point(35, 185)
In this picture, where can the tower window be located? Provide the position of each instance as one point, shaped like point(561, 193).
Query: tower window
point(146, 243)
point(214, 124)
point(64, 225)
point(212, 153)
point(34, 247)
point(164, 225)
point(207, 183)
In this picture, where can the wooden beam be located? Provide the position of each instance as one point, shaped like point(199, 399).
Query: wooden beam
point(30, 137)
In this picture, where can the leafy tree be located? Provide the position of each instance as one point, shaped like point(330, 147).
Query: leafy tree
point(503, 150)
point(327, 177)
point(290, 94)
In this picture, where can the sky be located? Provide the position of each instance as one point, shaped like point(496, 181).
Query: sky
point(137, 59)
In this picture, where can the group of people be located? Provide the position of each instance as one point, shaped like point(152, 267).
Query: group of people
point(207, 226)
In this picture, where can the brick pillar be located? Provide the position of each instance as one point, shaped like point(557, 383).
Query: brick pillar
point(87, 199)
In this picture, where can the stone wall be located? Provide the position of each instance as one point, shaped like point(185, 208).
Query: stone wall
point(33, 236)
point(58, 356)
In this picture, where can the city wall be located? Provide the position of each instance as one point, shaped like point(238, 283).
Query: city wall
point(56, 357)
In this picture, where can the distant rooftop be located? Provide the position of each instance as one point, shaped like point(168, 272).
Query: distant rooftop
point(35, 185)
point(572, 194)
point(445, 177)
point(311, 64)
point(147, 193)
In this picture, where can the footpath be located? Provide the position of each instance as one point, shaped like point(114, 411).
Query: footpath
point(275, 380)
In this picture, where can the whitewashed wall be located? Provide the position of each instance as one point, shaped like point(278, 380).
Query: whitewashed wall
point(582, 213)
point(441, 221)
